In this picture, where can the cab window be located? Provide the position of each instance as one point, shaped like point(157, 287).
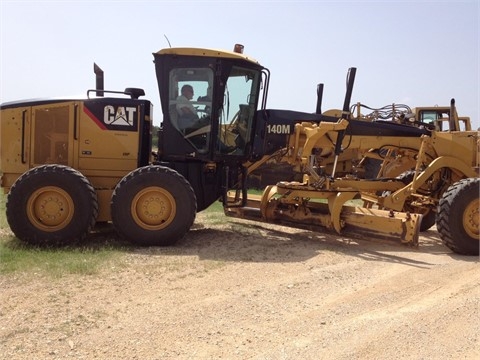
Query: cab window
point(190, 103)
point(239, 103)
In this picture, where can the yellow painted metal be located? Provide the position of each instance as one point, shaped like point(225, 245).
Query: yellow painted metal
point(153, 208)
point(267, 195)
point(105, 152)
point(298, 205)
point(471, 218)
point(15, 126)
point(397, 200)
point(50, 208)
point(186, 51)
point(65, 133)
point(335, 205)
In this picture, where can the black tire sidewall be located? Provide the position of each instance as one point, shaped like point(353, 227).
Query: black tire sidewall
point(167, 179)
point(73, 183)
point(463, 197)
point(428, 220)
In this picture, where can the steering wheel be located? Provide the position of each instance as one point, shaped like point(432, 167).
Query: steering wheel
point(234, 124)
point(241, 115)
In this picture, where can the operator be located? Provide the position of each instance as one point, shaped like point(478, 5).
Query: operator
point(187, 113)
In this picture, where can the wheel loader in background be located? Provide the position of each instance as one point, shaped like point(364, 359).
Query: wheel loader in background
point(67, 164)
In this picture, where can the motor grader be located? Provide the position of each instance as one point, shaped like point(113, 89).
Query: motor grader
point(70, 163)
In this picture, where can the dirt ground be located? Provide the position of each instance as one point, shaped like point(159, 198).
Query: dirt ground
point(244, 290)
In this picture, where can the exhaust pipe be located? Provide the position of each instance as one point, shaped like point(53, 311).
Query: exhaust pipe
point(453, 119)
point(346, 113)
point(319, 98)
point(98, 79)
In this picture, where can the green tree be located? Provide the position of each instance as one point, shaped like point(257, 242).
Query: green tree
point(155, 135)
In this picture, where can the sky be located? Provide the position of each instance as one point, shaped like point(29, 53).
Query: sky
point(418, 53)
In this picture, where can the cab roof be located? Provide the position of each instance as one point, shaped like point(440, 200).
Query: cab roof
point(206, 53)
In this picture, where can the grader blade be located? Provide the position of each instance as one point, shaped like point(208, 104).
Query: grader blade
point(350, 221)
point(383, 225)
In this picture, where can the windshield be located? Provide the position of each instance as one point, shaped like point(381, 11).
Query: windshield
point(239, 104)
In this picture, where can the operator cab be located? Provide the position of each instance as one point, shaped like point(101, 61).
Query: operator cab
point(220, 91)
point(439, 118)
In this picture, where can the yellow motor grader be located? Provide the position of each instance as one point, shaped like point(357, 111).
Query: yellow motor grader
point(67, 164)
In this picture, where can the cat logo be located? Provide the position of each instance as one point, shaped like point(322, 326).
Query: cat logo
point(122, 116)
point(119, 116)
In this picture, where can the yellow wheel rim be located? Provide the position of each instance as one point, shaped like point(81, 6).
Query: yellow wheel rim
point(470, 219)
point(153, 208)
point(50, 208)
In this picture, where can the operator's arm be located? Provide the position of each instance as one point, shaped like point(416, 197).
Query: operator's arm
point(185, 109)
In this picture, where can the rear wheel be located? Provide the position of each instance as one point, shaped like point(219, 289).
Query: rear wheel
point(51, 205)
point(153, 205)
point(458, 217)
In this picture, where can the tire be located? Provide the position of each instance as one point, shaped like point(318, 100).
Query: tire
point(153, 206)
point(52, 205)
point(428, 220)
point(372, 167)
point(458, 217)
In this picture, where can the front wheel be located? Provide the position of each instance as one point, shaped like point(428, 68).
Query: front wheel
point(458, 217)
point(153, 206)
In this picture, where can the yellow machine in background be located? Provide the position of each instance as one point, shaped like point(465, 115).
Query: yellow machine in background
point(67, 164)
point(418, 175)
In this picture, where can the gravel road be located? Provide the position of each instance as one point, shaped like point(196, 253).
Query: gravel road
point(244, 290)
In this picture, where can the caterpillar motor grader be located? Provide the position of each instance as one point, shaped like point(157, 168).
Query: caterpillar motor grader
point(67, 164)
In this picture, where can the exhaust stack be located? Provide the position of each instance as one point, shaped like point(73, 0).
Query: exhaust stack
point(99, 86)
